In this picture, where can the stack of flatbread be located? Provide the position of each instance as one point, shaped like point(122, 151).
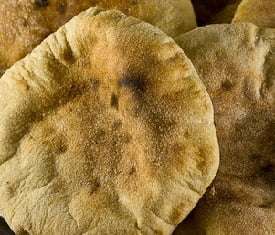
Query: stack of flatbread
point(122, 117)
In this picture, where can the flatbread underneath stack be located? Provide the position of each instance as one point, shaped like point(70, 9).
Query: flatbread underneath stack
point(237, 65)
point(260, 13)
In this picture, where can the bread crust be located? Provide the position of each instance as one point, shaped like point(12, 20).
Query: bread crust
point(236, 63)
point(260, 13)
point(105, 128)
point(25, 23)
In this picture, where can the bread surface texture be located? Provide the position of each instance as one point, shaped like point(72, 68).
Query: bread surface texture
point(237, 65)
point(25, 23)
point(260, 13)
point(105, 128)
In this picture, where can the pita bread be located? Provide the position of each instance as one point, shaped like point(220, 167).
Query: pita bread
point(236, 63)
point(105, 128)
point(24, 24)
point(219, 218)
point(261, 13)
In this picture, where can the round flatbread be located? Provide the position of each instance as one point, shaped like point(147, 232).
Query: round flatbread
point(261, 13)
point(237, 64)
point(105, 128)
point(24, 24)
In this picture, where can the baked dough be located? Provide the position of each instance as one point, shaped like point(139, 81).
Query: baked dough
point(105, 128)
point(237, 65)
point(25, 23)
point(260, 13)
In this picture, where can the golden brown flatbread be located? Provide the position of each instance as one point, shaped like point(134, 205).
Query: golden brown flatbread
point(227, 219)
point(105, 128)
point(237, 64)
point(261, 13)
point(24, 24)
